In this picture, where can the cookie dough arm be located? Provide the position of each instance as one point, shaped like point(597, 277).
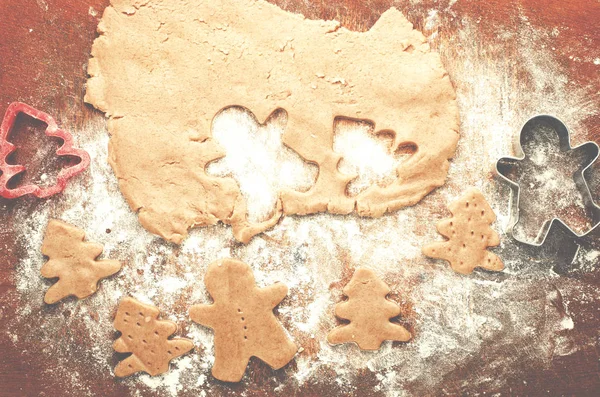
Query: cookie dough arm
point(129, 366)
point(93, 250)
point(273, 294)
point(390, 309)
point(120, 346)
point(494, 239)
point(50, 269)
point(203, 315)
point(107, 268)
point(180, 346)
point(436, 250)
point(492, 262)
point(341, 334)
point(343, 310)
point(282, 352)
point(444, 227)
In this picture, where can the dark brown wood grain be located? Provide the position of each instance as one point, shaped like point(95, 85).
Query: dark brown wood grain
point(44, 48)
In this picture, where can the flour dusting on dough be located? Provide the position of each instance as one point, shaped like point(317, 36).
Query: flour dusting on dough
point(161, 110)
point(366, 155)
point(257, 159)
point(492, 322)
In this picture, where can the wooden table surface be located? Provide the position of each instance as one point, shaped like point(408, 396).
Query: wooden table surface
point(44, 48)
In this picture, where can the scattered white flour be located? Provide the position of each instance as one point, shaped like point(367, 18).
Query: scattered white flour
point(593, 256)
point(365, 154)
point(567, 323)
point(548, 189)
point(258, 160)
point(432, 20)
point(503, 324)
point(171, 381)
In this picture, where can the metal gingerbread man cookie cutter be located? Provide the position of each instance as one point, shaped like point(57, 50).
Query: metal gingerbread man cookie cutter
point(52, 130)
point(506, 164)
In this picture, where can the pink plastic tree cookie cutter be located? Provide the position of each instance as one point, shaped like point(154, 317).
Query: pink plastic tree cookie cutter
point(10, 170)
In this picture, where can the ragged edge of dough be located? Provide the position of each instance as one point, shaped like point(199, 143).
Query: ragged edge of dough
point(176, 228)
point(423, 172)
point(178, 223)
point(412, 98)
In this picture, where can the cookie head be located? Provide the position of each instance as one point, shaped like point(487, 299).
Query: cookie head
point(228, 275)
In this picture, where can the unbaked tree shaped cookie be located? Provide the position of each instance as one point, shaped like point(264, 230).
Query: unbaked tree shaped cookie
point(243, 320)
point(74, 262)
point(468, 234)
point(369, 313)
point(146, 337)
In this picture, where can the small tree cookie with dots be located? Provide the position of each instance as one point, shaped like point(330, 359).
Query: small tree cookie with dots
point(243, 320)
point(74, 262)
point(369, 313)
point(146, 337)
point(468, 234)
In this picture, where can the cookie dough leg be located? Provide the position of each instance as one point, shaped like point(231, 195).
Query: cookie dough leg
point(231, 358)
point(229, 369)
point(275, 347)
point(282, 352)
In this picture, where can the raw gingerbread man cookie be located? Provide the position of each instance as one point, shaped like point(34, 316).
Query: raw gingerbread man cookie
point(74, 262)
point(369, 313)
point(243, 320)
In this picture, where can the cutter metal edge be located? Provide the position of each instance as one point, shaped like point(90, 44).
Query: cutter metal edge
point(565, 144)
